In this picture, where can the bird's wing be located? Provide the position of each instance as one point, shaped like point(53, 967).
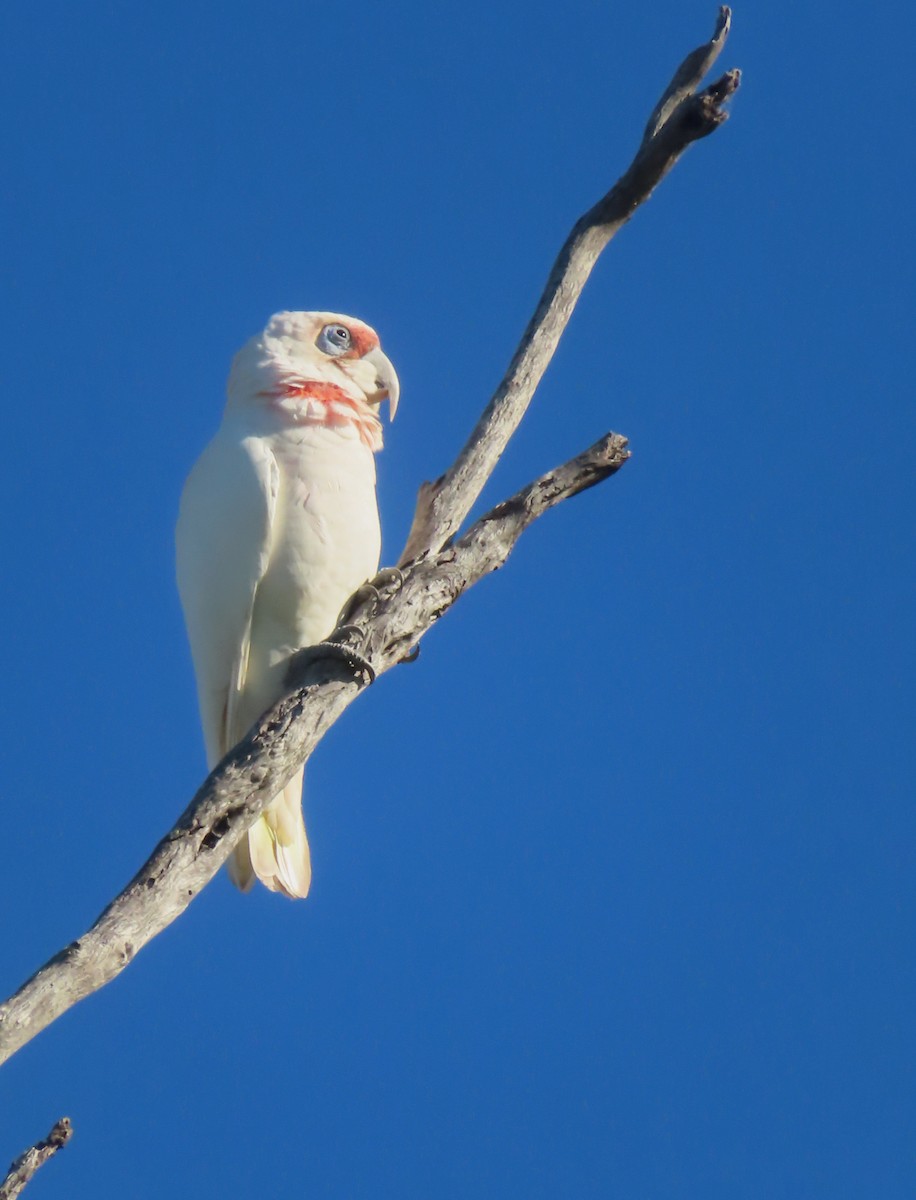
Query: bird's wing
point(223, 543)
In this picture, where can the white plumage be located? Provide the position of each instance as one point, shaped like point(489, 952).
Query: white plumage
point(278, 527)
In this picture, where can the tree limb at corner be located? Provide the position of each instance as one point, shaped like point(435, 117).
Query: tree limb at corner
point(385, 620)
point(24, 1167)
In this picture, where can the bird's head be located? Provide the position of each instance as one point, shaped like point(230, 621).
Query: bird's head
point(317, 368)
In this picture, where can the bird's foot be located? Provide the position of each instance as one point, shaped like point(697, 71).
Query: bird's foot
point(369, 595)
point(339, 649)
point(389, 580)
point(364, 596)
point(342, 648)
point(344, 642)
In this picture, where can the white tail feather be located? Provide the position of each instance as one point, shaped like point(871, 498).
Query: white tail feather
point(276, 850)
point(241, 872)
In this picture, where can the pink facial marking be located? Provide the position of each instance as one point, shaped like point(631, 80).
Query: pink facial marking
point(332, 408)
point(363, 338)
point(324, 393)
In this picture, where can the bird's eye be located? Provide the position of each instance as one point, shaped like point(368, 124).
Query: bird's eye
point(334, 339)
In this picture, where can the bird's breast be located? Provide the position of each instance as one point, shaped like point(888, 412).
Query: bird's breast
point(325, 539)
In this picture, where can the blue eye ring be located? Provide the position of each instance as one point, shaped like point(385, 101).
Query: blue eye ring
point(335, 339)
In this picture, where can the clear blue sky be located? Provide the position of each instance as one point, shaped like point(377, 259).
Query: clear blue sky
point(614, 888)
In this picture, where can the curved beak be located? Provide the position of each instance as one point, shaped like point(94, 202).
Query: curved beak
point(386, 380)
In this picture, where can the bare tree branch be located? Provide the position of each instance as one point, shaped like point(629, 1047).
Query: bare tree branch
point(681, 117)
point(383, 621)
point(689, 75)
point(24, 1167)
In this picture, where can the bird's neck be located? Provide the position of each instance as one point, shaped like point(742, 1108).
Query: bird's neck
point(315, 402)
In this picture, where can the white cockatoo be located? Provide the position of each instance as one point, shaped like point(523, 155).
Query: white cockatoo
point(278, 527)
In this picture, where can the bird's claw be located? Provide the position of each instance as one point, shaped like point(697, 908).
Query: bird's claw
point(340, 650)
point(364, 594)
point(390, 580)
point(371, 594)
point(363, 604)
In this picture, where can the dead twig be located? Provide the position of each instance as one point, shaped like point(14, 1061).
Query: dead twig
point(24, 1167)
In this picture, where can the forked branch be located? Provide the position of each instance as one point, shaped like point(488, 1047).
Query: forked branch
point(682, 116)
point(384, 621)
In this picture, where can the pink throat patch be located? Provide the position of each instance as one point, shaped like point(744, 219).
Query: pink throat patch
point(315, 403)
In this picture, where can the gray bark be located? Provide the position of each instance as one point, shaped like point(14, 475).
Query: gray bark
point(24, 1167)
point(383, 623)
